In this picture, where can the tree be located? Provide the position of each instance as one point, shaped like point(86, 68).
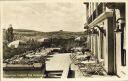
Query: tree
point(9, 34)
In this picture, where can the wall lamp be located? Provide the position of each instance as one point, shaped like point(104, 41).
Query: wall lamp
point(122, 24)
point(101, 29)
point(87, 32)
point(94, 31)
point(86, 26)
point(90, 30)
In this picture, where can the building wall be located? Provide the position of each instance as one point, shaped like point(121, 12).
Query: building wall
point(120, 68)
point(108, 48)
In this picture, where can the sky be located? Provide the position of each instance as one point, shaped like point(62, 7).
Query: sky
point(44, 16)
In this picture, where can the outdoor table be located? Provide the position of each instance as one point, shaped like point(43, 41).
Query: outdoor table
point(88, 62)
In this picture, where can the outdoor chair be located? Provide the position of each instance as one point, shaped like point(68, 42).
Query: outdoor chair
point(95, 69)
point(85, 69)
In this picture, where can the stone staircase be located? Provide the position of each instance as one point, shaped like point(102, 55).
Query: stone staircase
point(53, 74)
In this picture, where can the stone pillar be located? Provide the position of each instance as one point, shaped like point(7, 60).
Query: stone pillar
point(105, 45)
point(96, 46)
point(118, 52)
point(102, 45)
point(93, 44)
point(105, 52)
point(110, 46)
point(99, 46)
point(93, 37)
point(89, 42)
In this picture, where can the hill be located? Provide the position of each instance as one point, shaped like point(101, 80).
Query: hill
point(25, 34)
point(24, 30)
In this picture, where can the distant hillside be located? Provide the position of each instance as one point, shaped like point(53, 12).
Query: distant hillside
point(24, 30)
point(53, 32)
point(30, 32)
point(25, 34)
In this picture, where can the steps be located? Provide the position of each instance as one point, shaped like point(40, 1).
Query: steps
point(54, 74)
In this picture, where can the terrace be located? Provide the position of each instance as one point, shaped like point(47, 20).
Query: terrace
point(87, 64)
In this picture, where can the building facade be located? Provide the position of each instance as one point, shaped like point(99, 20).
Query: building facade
point(106, 28)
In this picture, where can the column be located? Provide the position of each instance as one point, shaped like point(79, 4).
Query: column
point(96, 46)
point(99, 46)
point(118, 52)
point(93, 44)
point(110, 46)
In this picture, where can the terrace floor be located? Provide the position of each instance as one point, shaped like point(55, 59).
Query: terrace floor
point(58, 61)
point(61, 61)
point(79, 72)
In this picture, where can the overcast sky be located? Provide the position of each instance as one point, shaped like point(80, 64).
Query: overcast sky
point(44, 16)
